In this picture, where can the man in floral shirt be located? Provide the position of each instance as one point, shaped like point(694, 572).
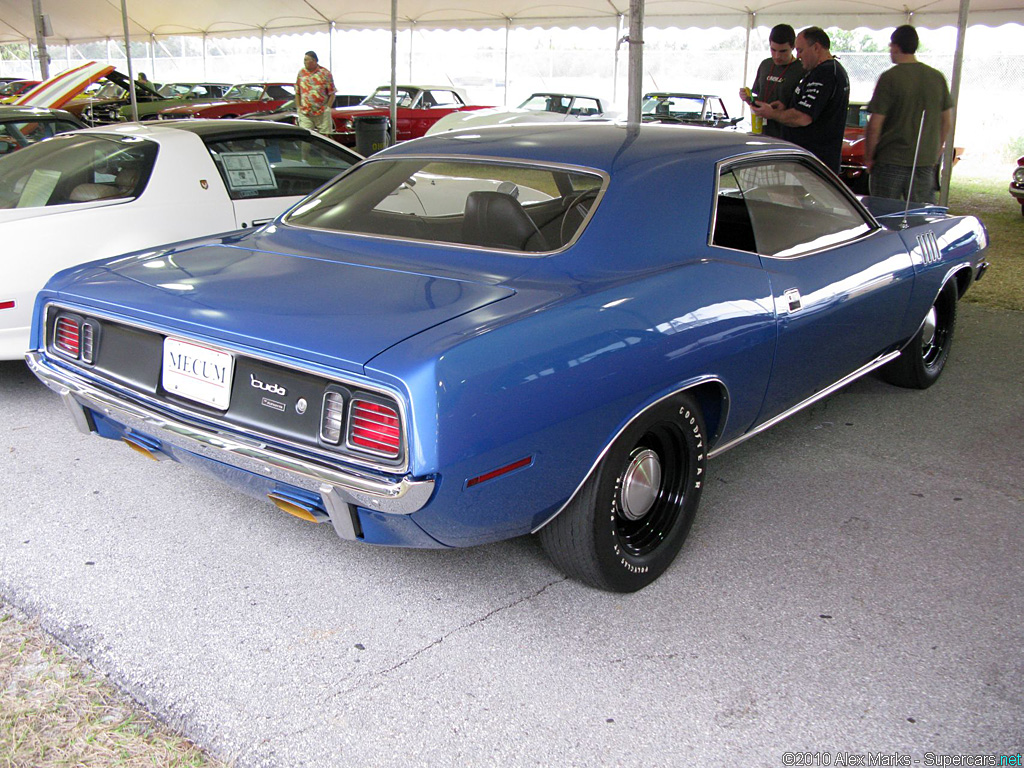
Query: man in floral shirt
point(314, 95)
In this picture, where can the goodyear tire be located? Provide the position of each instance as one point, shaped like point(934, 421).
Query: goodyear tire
point(625, 526)
point(921, 362)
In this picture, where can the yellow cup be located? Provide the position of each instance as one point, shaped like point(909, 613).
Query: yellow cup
point(756, 124)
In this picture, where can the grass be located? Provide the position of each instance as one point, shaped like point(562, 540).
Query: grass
point(56, 711)
point(983, 193)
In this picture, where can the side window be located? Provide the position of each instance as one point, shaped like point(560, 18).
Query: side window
point(789, 208)
point(584, 107)
point(439, 98)
point(277, 166)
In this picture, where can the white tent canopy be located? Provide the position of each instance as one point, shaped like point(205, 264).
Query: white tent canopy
point(84, 20)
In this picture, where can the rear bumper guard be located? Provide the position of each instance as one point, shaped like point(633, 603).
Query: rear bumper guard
point(340, 489)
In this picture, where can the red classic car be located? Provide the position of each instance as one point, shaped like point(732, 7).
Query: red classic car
point(419, 107)
point(1017, 184)
point(240, 100)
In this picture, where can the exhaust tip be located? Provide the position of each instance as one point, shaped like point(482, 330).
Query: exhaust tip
point(297, 508)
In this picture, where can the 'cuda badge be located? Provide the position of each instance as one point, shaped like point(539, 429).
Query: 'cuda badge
point(275, 389)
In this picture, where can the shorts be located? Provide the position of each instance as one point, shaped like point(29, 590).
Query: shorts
point(893, 181)
point(322, 123)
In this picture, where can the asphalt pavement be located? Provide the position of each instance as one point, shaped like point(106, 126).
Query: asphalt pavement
point(854, 583)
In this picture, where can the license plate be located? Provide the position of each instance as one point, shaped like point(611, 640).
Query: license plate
point(197, 372)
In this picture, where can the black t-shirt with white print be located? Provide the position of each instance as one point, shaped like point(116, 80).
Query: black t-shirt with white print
point(824, 94)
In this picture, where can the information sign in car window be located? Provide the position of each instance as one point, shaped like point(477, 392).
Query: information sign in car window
point(248, 171)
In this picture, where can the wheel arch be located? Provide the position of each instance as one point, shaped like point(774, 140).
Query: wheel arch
point(712, 397)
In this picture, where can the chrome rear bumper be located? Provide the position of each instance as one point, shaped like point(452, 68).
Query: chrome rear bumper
point(339, 488)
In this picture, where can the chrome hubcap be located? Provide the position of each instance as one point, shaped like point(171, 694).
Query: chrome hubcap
point(641, 483)
point(931, 322)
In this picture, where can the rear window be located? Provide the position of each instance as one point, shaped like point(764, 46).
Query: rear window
point(76, 169)
point(505, 206)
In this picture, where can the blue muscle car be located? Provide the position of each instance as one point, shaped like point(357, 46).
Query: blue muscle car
point(520, 329)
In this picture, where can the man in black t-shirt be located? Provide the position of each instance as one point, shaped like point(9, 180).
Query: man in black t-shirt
point(815, 117)
point(778, 75)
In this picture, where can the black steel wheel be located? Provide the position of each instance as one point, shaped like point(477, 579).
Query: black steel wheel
point(921, 362)
point(627, 523)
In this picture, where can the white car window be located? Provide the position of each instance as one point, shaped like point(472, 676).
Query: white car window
point(277, 166)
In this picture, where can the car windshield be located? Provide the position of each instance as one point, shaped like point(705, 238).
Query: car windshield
point(547, 102)
point(382, 97)
point(674, 106)
point(490, 204)
point(76, 169)
point(857, 116)
point(249, 92)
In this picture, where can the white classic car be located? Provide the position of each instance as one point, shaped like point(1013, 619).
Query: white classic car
point(539, 108)
point(100, 192)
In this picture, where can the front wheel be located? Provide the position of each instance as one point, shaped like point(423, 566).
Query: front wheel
point(921, 362)
point(625, 526)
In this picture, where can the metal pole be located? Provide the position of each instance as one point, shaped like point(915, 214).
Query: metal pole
point(128, 58)
point(152, 57)
point(410, 52)
point(954, 92)
point(44, 57)
point(615, 67)
point(508, 27)
point(263, 53)
point(746, 58)
point(636, 60)
point(394, 71)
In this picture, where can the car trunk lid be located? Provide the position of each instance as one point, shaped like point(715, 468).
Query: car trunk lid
point(323, 310)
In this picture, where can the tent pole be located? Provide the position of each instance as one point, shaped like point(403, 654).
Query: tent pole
point(615, 66)
point(263, 53)
point(954, 92)
point(152, 56)
point(128, 59)
point(394, 72)
point(330, 47)
point(508, 28)
point(204, 56)
point(411, 27)
point(636, 60)
point(746, 58)
point(40, 24)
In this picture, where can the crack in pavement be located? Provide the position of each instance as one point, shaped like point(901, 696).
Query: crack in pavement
point(419, 652)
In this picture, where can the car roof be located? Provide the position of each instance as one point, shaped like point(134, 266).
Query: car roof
point(671, 94)
point(602, 146)
point(12, 112)
point(208, 130)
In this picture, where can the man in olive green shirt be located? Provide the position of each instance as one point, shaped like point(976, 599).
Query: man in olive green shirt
point(901, 95)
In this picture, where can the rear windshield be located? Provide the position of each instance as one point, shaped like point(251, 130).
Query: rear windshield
point(76, 169)
point(487, 204)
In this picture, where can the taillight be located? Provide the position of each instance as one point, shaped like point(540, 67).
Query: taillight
point(67, 336)
point(374, 427)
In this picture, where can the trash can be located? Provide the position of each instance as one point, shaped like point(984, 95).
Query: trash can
point(371, 133)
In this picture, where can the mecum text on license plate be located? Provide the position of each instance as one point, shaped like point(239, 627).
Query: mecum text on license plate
point(197, 372)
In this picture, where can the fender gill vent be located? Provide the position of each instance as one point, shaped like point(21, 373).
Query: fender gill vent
point(930, 253)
